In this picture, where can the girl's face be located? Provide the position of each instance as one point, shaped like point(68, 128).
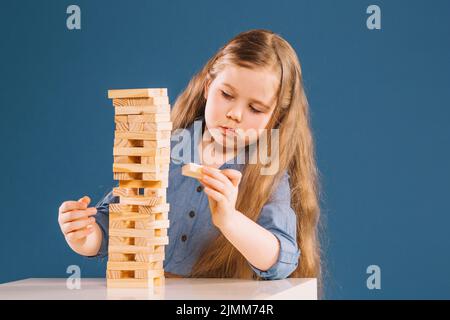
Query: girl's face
point(239, 98)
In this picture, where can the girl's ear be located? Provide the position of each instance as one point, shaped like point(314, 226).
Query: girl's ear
point(206, 89)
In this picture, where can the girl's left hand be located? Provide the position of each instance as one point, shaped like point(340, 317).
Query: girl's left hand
point(221, 188)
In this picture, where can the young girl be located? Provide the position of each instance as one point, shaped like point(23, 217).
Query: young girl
point(233, 222)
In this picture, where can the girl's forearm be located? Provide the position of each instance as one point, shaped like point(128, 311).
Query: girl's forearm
point(258, 245)
point(90, 245)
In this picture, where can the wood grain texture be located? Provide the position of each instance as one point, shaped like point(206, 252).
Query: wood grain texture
point(161, 138)
point(148, 101)
point(141, 151)
point(137, 93)
point(135, 283)
point(161, 111)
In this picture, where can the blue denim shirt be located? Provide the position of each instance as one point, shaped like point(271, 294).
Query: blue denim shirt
point(191, 227)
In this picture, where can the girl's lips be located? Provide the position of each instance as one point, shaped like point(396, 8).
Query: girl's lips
point(227, 131)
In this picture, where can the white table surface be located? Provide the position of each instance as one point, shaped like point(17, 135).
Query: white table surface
point(174, 289)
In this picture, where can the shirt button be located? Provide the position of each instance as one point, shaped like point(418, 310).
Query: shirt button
point(183, 237)
point(199, 188)
point(191, 214)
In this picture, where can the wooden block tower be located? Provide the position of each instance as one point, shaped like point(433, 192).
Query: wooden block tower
point(138, 223)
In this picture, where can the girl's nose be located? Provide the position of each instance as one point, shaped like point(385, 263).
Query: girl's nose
point(235, 113)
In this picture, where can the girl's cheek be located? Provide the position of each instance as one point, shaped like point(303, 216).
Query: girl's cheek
point(217, 108)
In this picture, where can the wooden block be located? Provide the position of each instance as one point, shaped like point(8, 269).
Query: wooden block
point(127, 216)
point(162, 111)
point(161, 161)
point(148, 192)
point(113, 274)
point(141, 184)
point(126, 192)
point(149, 126)
point(128, 249)
point(153, 232)
point(154, 267)
point(156, 176)
point(120, 241)
point(121, 118)
point(135, 283)
point(137, 93)
point(128, 143)
point(139, 233)
point(128, 208)
point(155, 192)
point(117, 207)
point(149, 273)
point(137, 216)
point(193, 170)
point(142, 200)
point(149, 257)
point(142, 151)
point(156, 118)
point(162, 138)
point(120, 274)
point(158, 165)
point(134, 143)
point(154, 209)
point(127, 159)
point(144, 118)
point(161, 177)
point(140, 247)
point(122, 143)
point(148, 224)
point(149, 101)
point(163, 144)
point(123, 176)
point(120, 256)
point(164, 215)
point(121, 127)
point(121, 224)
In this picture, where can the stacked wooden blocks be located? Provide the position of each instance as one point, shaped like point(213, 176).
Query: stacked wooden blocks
point(138, 223)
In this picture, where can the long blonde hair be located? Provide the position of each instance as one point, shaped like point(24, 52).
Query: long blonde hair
point(253, 49)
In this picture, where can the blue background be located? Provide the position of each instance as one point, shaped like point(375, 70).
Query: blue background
point(379, 102)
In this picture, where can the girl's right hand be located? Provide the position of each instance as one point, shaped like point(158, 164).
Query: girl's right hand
point(75, 220)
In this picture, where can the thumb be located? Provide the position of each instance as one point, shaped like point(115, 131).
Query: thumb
point(234, 175)
point(85, 200)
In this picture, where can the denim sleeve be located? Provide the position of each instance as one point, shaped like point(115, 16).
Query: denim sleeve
point(278, 217)
point(102, 219)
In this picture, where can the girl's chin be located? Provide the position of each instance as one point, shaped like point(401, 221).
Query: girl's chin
point(223, 140)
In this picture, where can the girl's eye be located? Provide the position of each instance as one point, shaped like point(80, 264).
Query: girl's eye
point(254, 110)
point(226, 95)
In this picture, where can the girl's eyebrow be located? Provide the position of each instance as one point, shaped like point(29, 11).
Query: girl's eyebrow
point(254, 100)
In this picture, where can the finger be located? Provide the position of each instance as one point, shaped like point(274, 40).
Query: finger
point(217, 196)
point(234, 175)
point(85, 200)
point(79, 234)
point(214, 184)
point(76, 214)
point(72, 205)
point(217, 175)
point(77, 225)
